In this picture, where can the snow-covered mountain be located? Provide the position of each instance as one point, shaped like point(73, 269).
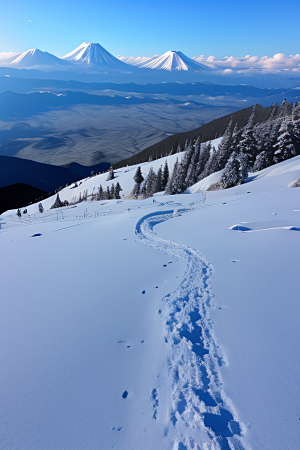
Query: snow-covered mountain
point(171, 61)
point(94, 54)
point(37, 58)
point(7, 57)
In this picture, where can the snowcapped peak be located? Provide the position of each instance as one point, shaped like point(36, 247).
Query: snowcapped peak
point(172, 60)
point(92, 53)
point(35, 57)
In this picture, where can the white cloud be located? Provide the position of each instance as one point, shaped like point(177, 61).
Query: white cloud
point(29, 20)
point(273, 64)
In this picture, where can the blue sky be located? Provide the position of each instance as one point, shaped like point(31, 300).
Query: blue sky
point(219, 28)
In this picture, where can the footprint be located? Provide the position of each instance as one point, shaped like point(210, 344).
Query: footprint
point(181, 446)
point(143, 292)
point(125, 394)
point(37, 234)
point(165, 265)
point(154, 397)
point(181, 404)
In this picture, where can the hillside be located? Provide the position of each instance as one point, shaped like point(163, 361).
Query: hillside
point(206, 132)
point(126, 328)
point(23, 181)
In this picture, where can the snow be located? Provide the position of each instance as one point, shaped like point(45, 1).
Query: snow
point(286, 172)
point(35, 57)
point(7, 57)
point(124, 176)
point(171, 61)
point(204, 184)
point(216, 142)
point(91, 53)
point(153, 324)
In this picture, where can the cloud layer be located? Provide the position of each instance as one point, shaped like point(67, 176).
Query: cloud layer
point(279, 63)
point(273, 64)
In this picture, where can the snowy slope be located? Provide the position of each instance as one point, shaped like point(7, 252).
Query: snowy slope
point(6, 58)
point(285, 172)
point(116, 333)
point(124, 176)
point(90, 53)
point(171, 61)
point(37, 58)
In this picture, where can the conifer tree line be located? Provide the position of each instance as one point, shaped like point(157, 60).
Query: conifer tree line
point(110, 193)
point(251, 148)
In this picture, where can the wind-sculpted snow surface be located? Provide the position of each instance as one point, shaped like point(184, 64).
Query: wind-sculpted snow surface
point(201, 416)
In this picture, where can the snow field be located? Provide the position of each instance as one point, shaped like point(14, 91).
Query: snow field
point(72, 332)
point(256, 315)
point(108, 343)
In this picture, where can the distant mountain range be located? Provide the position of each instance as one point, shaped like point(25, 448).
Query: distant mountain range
point(93, 56)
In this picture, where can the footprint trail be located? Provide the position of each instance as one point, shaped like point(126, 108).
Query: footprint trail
point(201, 416)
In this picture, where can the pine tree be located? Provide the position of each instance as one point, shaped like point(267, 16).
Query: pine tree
point(184, 166)
point(100, 193)
point(41, 208)
point(19, 213)
point(112, 191)
point(247, 143)
point(211, 166)
point(231, 176)
point(191, 177)
point(235, 139)
point(172, 185)
point(204, 156)
point(244, 163)
point(284, 147)
point(58, 203)
point(159, 180)
point(263, 133)
point(224, 148)
point(144, 189)
point(296, 127)
point(165, 176)
point(118, 189)
point(138, 178)
point(262, 161)
point(151, 183)
point(111, 175)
